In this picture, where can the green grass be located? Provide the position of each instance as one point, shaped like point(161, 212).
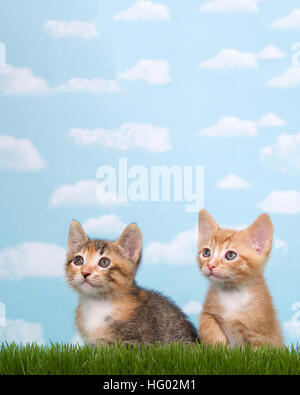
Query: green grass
point(171, 359)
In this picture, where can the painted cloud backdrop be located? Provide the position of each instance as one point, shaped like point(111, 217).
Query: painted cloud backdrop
point(211, 83)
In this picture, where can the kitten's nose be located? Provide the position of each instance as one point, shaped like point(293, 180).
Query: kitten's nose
point(85, 273)
point(211, 266)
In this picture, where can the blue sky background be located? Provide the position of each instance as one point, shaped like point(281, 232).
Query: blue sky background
point(195, 99)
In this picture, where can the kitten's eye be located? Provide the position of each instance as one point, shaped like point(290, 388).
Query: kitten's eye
point(104, 262)
point(78, 260)
point(206, 253)
point(230, 255)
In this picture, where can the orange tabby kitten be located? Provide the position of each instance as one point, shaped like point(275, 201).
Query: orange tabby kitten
point(238, 306)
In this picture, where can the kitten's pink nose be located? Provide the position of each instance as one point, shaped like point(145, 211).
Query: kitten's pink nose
point(211, 266)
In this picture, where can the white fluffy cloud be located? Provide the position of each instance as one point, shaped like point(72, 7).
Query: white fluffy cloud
point(270, 52)
point(19, 154)
point(216, 6)
point(289, 79)
point(83, 194)
point(96, 85)
point(181, 250)
point(233, 127)
point(193, 307)
point(129, 135)
point(285, 153)
point(232, 181)
point(153, 71)
point(32, 259)
point(73, 28)
point(292, 328)
point(291, 22)
point(105, 224)
point(21, 81)
point(282, 202)
point(270, 120)
point(229, 58)
point(20, 331)
point(144, 11)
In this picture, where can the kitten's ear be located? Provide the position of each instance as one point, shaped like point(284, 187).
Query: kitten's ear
point(206, 227)
point(131, 241)
point(76, 237)
point(260, 234)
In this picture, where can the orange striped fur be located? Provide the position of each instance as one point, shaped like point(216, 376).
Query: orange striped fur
point(238, 306)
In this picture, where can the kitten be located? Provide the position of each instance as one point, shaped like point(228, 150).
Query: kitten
point(238, 306)
point(111, 306)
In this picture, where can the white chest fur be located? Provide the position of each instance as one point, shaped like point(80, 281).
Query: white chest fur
point(234, 301)
point(94, 313)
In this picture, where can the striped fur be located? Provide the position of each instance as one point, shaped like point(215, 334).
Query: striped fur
point(111, 306)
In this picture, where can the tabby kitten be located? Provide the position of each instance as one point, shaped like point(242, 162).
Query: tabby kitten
point(238, 306)
point(111, 306)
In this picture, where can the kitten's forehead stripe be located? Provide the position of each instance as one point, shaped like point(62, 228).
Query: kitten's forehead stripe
point(93, 246)
point(101, 245)
point(226, 237)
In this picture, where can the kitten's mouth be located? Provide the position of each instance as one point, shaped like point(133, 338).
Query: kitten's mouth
point(87, 282)
point(212, 274)
point(216, 276)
